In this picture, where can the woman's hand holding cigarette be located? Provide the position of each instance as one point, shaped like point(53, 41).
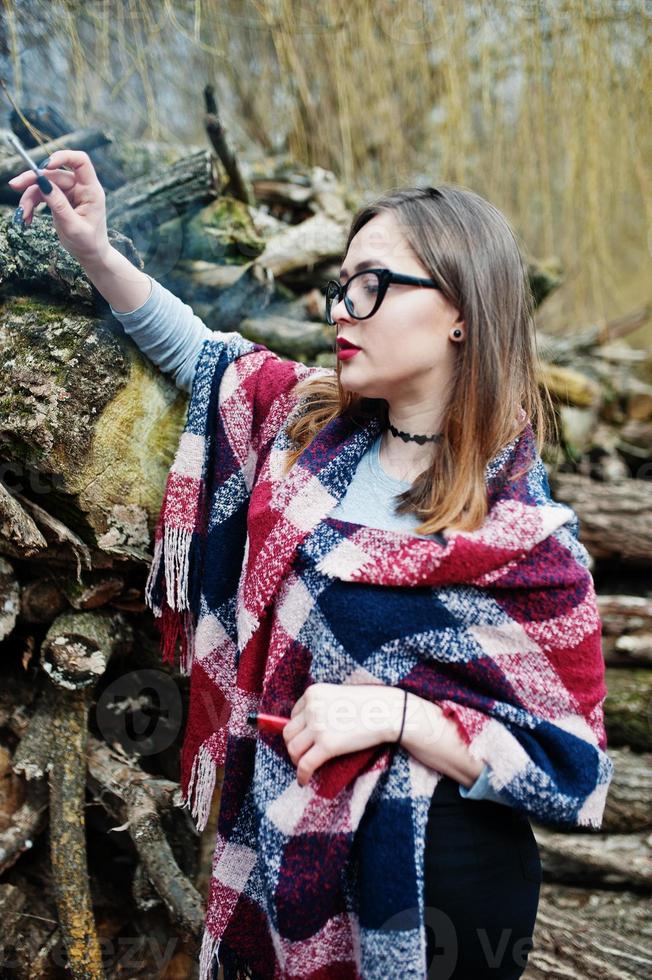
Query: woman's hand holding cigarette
point(332, 719)
point(77, 203)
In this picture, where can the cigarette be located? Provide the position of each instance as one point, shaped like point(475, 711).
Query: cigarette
point(272, 723)
point(43, 183)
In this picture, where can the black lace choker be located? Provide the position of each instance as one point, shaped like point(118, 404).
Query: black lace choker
point(407, 436)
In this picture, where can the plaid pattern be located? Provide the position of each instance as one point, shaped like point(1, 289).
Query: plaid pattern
point(267, 594)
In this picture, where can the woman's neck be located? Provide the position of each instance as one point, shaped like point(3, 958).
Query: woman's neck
point(404, 460)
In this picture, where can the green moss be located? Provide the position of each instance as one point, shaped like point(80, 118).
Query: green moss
point(221, 232)
point(43, 309)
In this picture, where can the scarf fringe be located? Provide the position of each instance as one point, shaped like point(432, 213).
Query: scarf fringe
point(174, 626)
point(207, 953)
point(201, 786)
point(172, 553)
point(172, 611)
point(177, 543)
point(233, 966)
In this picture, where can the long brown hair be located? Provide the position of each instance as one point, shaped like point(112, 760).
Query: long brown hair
point(469, 248)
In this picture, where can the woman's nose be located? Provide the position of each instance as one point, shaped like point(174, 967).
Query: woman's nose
point(344, 313)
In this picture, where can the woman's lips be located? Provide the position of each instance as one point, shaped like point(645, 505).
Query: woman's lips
point(345, 349)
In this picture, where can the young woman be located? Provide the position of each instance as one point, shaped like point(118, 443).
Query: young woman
point(373, 553)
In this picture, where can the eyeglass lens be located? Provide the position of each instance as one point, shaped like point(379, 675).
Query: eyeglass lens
point(360, 295)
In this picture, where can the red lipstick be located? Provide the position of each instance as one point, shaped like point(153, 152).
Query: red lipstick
point(346, 349)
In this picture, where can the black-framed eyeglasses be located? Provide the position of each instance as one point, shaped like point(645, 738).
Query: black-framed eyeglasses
point(364, 292)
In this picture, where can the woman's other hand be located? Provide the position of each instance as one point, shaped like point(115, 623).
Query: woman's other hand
point(77, 203)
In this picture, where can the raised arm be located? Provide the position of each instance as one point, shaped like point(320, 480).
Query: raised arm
point(165, 328)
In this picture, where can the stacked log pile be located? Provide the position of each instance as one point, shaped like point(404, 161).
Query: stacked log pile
point(100, 864)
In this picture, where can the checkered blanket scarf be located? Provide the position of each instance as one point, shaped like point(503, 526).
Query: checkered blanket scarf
point(263, 593)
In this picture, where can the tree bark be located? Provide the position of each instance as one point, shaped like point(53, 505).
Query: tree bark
point(597, 935)
point(596, 858)
point(629, 800)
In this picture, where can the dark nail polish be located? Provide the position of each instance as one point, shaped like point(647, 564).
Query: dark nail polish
point(44, 184)
point(17, 219)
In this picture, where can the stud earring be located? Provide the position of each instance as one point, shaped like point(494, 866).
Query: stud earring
point(457, 332)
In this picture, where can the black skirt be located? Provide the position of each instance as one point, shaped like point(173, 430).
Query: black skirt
point(482, 875)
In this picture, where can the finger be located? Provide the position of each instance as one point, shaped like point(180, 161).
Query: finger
point(20, 180)
point(300, 743)
point(314, 757)
point(80, 162)
point(59, 204)
point(294, 726)
point(29, 201)
point(299, 706)
point(62, 178)
point(57, 200)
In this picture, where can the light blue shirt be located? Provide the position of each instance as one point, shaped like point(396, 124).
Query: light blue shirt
point(170, 334)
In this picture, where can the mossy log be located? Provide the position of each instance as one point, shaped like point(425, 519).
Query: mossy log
point(34, 262)
point(89, 425)
point(628, 707)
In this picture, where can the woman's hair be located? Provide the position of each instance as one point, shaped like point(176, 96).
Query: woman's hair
point(469, 248)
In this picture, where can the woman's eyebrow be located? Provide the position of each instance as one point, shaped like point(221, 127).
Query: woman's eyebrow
point(365, 264)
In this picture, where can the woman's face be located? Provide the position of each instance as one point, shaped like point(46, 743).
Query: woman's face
point(405, 352)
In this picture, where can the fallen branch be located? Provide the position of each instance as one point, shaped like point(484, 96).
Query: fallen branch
point(237, 186)
point(135, 798)
point(67, 780)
